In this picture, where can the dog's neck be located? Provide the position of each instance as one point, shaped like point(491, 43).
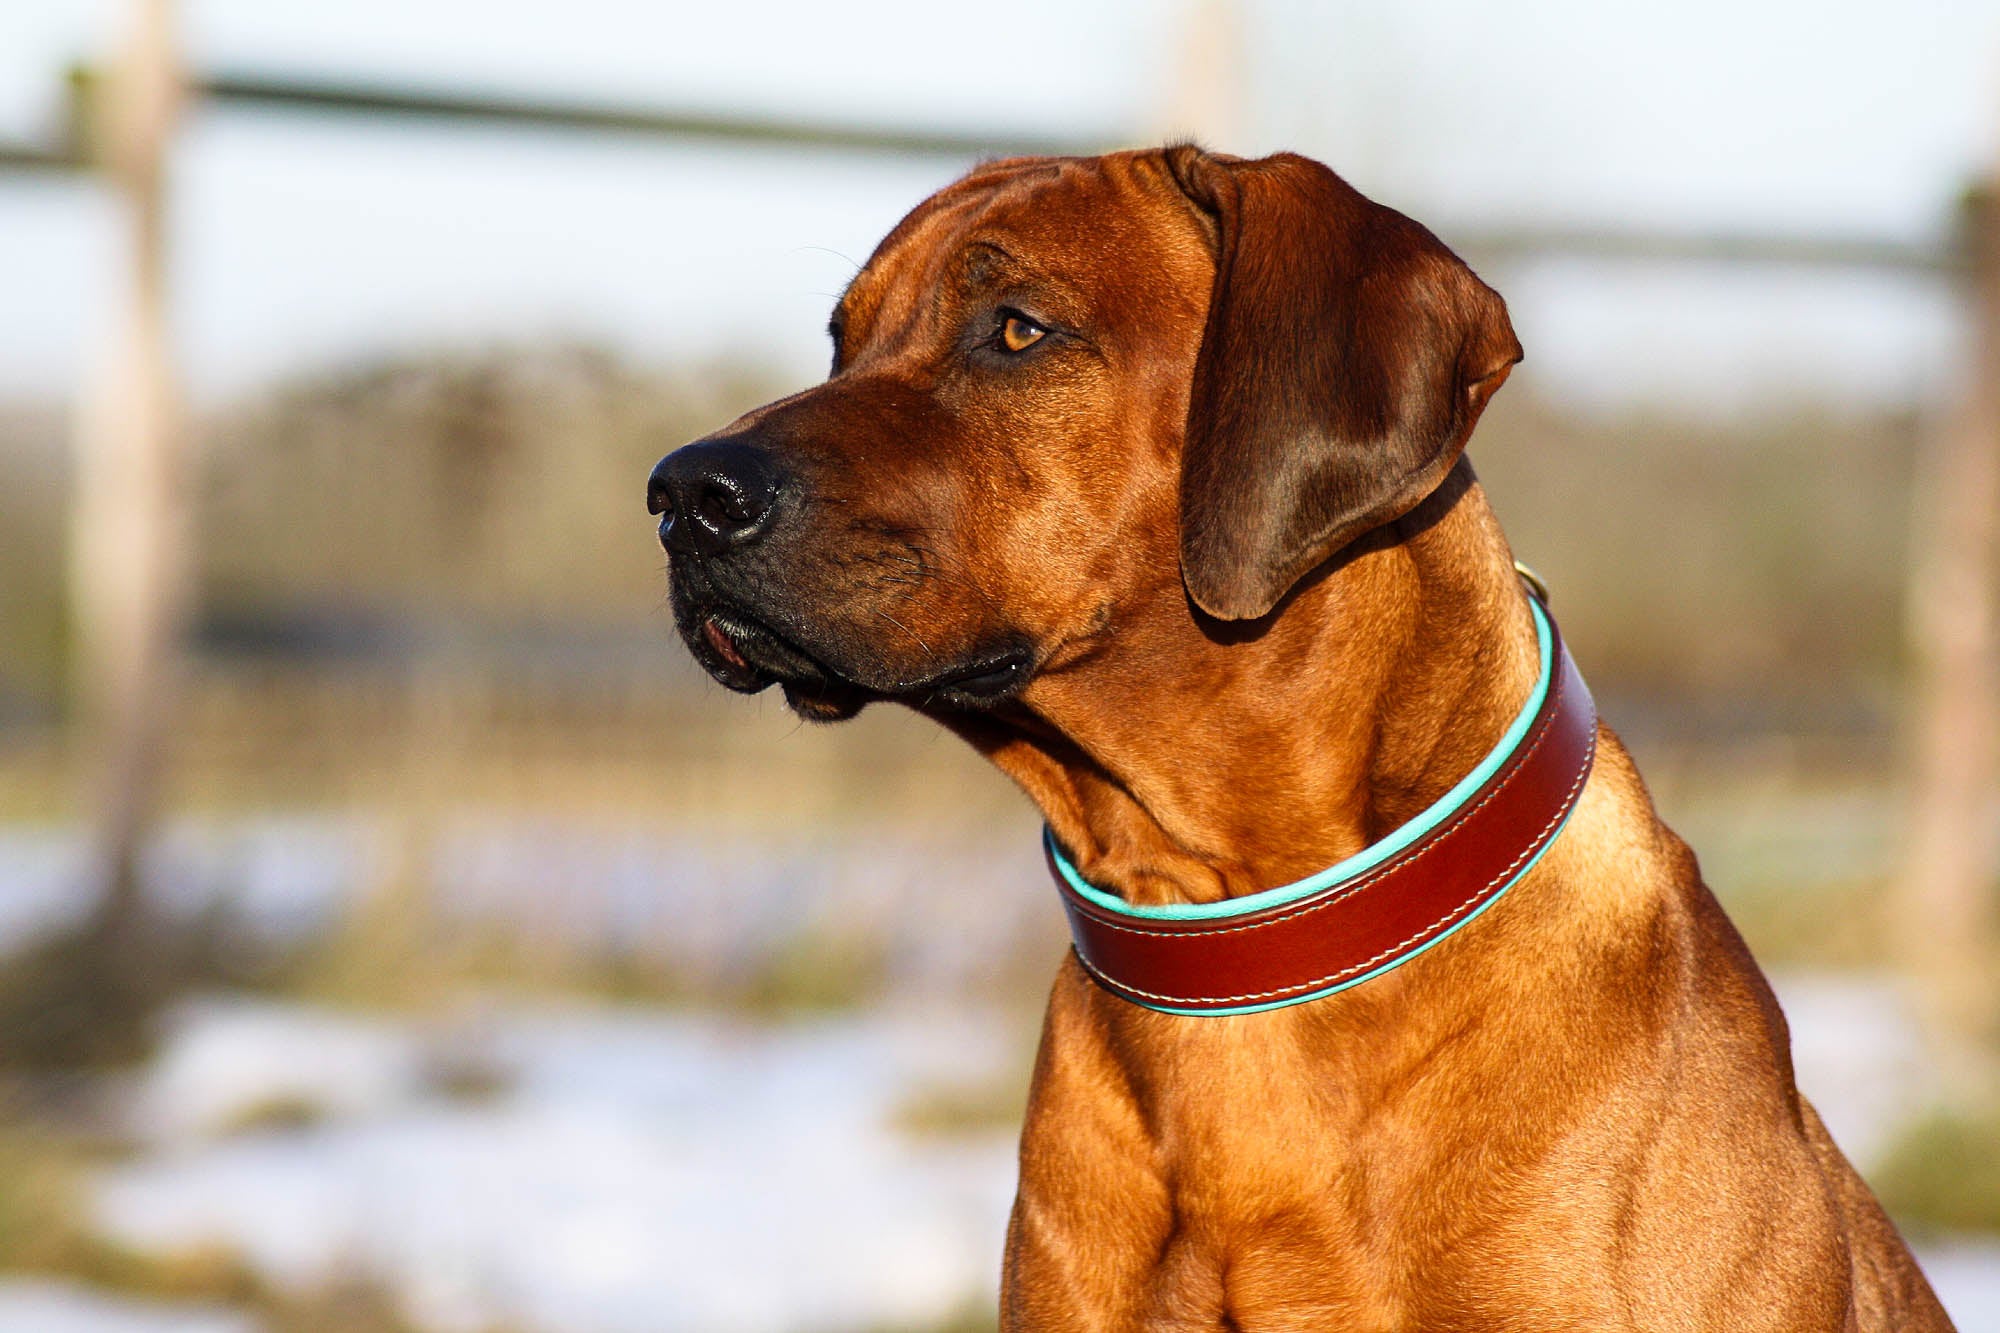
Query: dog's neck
point(1362, 700)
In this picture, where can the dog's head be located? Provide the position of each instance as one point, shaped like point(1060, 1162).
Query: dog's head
point(1068, 395)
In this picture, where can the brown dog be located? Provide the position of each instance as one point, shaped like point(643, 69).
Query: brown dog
point(1143, 473)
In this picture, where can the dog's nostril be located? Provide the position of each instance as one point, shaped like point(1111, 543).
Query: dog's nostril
point(720, 507)
point(717, 495)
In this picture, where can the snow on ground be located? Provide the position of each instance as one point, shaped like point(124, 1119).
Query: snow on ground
point(225, 1063)
point(641, 1172)
point(628, 1171)
point(624, 1171)
point(33, 1306)
point(709, 910)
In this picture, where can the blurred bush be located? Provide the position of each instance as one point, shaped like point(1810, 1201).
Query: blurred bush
point(1747, 572)
point(34, 481)
point(1943, 1174)
point(364, 515)
point(507, 483)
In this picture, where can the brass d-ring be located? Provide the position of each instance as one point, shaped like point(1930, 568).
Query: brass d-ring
point(1534, 582)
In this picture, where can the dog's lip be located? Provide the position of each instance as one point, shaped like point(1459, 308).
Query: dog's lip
point(980, 683)
point(725, 647)
point(748, 655)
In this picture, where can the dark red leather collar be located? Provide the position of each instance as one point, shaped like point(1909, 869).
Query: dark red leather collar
point(1370, 913)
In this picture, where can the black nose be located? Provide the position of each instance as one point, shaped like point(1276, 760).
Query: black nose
point(715, 494)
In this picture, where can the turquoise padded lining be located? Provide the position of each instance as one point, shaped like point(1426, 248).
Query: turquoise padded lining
point(1362, 861)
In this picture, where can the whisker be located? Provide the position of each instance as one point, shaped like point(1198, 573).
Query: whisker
point(939, 566)
point(828, 250)
point(907, 630)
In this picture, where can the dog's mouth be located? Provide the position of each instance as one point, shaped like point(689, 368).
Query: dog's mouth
point(747, 655)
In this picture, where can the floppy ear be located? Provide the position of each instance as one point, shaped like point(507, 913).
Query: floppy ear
point(1346, 357)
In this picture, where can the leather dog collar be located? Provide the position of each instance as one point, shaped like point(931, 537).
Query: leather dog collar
point(1377, 909)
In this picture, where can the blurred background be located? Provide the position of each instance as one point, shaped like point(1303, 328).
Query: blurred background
point(398, 934)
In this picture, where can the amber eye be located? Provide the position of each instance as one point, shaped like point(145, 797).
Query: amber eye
point(1019, 334)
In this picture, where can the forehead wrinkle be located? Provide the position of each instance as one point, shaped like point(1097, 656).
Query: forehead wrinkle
point(925, 258)
point(1013, 270)
point(903, 284)
point(976, 263)
point(990, 181)
point(1012, 274)
point(984, 179)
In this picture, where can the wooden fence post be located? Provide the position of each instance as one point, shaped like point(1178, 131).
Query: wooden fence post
point(1944, 910)
point(1206, 96)
point(130, 565)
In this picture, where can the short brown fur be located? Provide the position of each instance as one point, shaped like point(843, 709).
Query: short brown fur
point(1577, 1113)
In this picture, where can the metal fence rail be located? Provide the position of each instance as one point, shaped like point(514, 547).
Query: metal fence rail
point(248, 90)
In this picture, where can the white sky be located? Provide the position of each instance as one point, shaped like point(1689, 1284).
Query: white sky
point(304, 240)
